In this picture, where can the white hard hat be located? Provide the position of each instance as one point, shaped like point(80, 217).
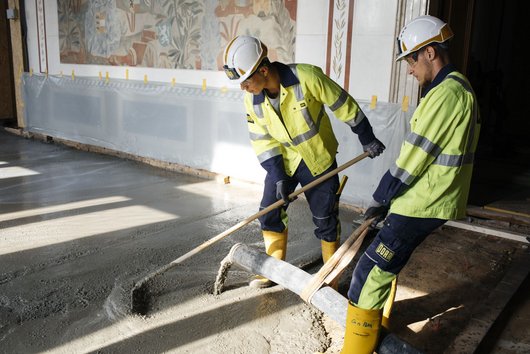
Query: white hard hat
point(420, 32)
point(242, 57)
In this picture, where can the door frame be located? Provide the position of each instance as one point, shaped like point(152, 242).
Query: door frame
point(459, 15)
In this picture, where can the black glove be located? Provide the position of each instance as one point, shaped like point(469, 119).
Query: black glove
point(375, 148)
point(377, 211)
point(282, 191)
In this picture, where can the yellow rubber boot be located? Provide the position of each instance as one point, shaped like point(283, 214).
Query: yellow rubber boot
point(362, 330)
point(275, 246)
point(387, 310)
point(328, 248)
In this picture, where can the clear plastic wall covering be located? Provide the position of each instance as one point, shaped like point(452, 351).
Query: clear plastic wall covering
point(203, 128)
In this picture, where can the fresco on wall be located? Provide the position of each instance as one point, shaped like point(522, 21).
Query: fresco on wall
point(182, 34)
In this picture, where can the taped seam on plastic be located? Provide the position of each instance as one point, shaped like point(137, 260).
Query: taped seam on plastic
point(133, 86)
point(405, 104)
point(373, 102)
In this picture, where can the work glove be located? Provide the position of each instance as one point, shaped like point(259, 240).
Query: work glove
point(377, 211)
point(374, 148)
point(282, 191)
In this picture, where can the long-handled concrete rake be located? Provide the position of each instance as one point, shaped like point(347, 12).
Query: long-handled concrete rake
point(140, 290)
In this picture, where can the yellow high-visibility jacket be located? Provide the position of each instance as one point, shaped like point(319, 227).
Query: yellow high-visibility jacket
point(436, 159)
point(304, 130)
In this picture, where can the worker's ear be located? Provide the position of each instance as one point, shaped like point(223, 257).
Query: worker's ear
point(264, 70)
point(430, 53)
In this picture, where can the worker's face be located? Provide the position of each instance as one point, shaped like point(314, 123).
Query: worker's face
point(420, 65)
point(255, 83)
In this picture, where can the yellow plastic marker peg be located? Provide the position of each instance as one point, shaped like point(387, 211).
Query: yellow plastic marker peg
point(106, 76)
point(173, 82)
point(145, 79)
point(46, 72)
point(31, 72)
point(73, 74)
point(203, 85)
point(373, 103)
point(405, 104)
point(224, 89)
point(126, 74)
point(100, 76)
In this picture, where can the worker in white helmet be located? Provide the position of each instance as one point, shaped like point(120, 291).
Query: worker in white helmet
point(293, 139)
point(428, 184)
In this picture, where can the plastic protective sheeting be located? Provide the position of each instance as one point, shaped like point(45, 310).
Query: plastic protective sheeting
point(189, 125)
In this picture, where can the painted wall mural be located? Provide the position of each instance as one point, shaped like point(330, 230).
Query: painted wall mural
point(176, 34)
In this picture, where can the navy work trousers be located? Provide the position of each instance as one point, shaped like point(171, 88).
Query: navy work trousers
point(322, 199)
point(390, 251)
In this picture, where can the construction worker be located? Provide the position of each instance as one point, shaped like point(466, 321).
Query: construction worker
point(293, 139)
point(428, 184)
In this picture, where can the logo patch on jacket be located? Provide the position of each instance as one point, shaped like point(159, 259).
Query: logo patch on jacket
point(249, 119)
point(384, 252)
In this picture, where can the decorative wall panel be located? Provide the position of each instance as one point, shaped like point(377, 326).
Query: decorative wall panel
point(177, 34)
point(339, 41)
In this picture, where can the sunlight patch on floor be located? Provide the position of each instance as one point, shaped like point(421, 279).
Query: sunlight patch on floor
point(405, 292)
point(62, 207)
point(417, 327)
point(65, 229)
point(132, 326)
point(15, 171)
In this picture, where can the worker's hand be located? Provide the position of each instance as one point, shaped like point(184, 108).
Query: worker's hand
point(282, 191)
point(374, 148)
point(377, 211)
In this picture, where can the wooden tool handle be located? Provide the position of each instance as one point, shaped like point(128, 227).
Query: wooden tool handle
point(273, 206)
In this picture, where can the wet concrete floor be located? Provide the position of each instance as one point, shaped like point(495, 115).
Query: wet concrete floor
point(77, 229)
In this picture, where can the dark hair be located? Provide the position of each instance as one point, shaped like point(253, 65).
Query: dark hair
point(444, 46)
point(264, 62)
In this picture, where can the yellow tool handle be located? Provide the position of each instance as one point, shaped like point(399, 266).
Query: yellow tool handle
point(342, 184)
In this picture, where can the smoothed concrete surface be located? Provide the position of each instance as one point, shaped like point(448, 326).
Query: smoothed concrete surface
point(78, 229)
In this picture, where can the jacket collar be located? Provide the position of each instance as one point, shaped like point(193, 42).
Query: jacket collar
point(287, 78)
point(449, 68)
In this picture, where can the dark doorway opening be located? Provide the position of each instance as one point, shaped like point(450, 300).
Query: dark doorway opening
point(7, 86)
point(488, 49)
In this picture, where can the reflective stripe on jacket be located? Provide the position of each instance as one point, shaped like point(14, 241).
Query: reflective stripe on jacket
point(304, 130)
point(436, 159)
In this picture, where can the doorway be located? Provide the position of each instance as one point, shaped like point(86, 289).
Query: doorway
point(487, 48)
point(7, 88)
